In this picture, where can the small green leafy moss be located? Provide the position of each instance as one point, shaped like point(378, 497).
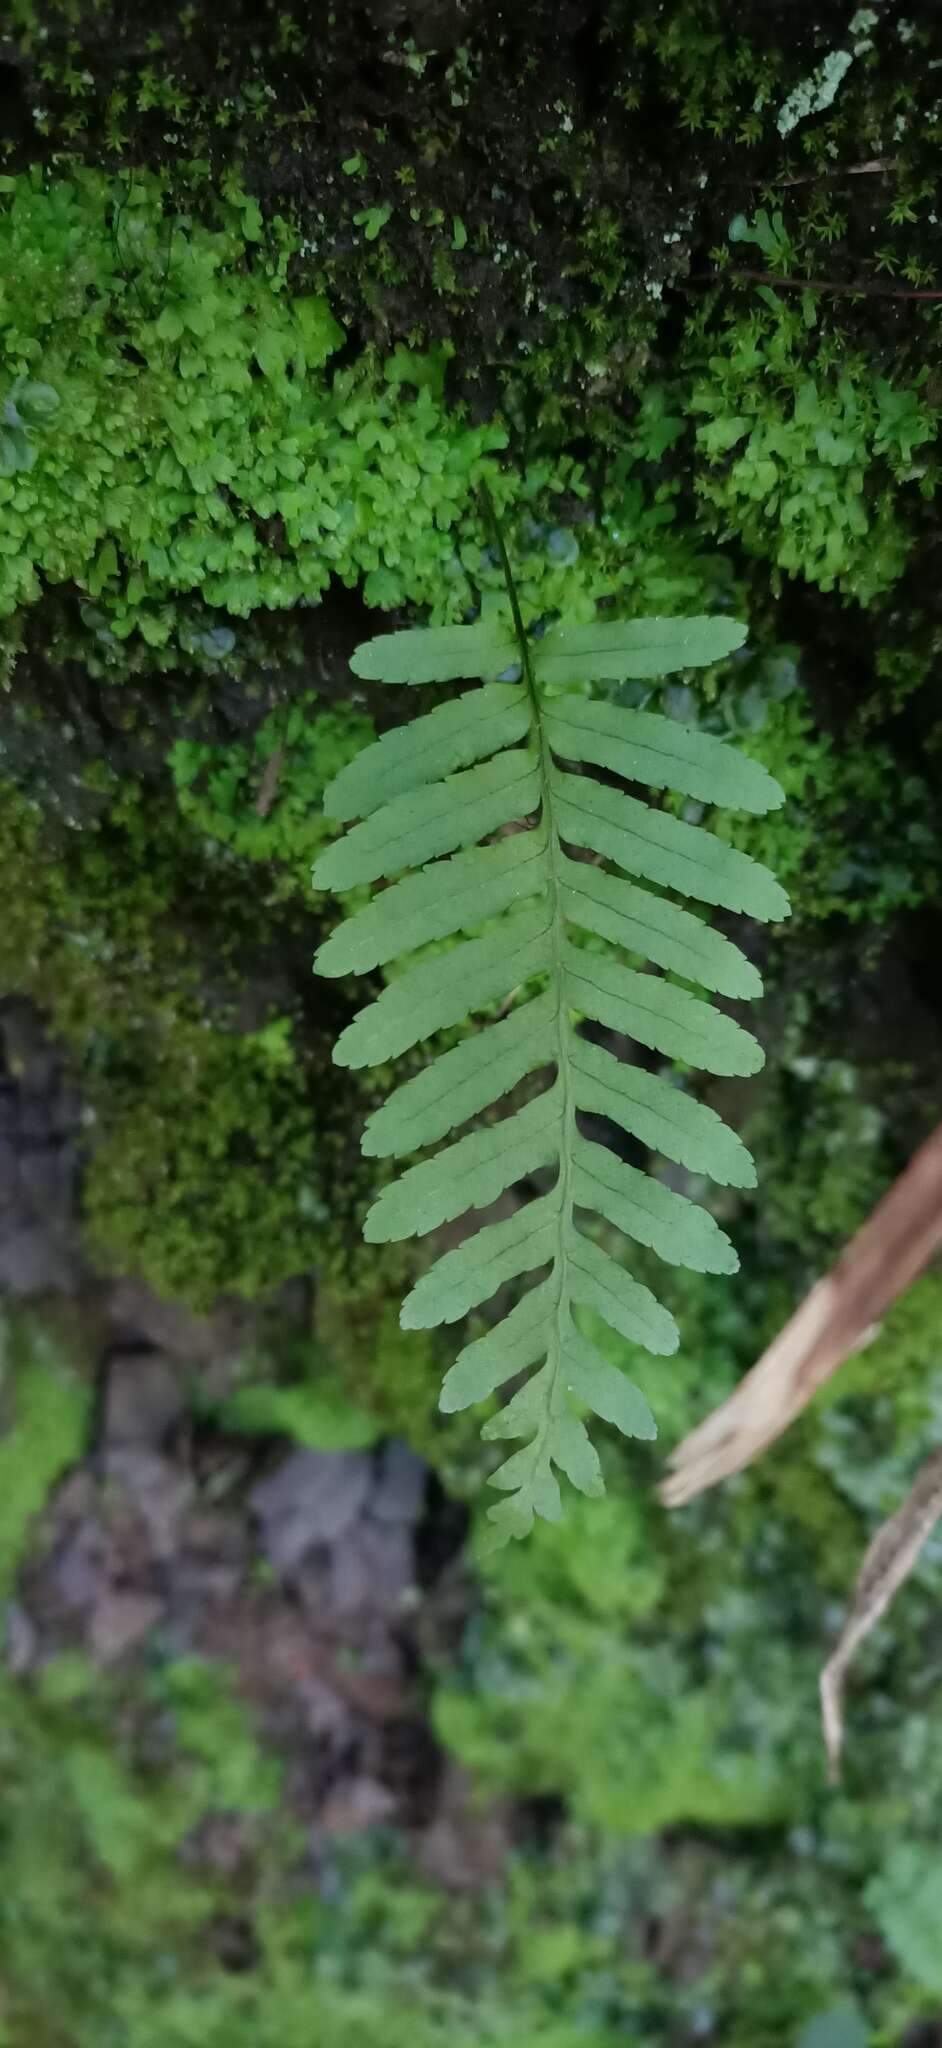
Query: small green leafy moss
point(563, 1692)
point(856, 835)
point(828, 1146)
point(264, 798)
point(313, 1412)
point(799, 451)
point(906, 1900)
point(226, 1770)
point(198, 460)
point(92, 1836)
point(90, 916)
point(194, 420)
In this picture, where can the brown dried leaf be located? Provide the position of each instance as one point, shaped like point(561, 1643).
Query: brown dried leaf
point(837, 1317)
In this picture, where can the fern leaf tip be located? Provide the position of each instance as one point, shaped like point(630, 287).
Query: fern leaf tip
point(377, 1228)
point(364, 660)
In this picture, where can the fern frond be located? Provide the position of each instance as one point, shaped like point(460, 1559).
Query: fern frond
point(543, 929)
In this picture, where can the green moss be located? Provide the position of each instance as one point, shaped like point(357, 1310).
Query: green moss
point(794, 1486)
point(534, 211)
point(194, 454)
point(394, 1374)
point(301, 1399)
point(203, 1181)
point(824, 1147)
point(180, 451)
point(45, 1407)
point(225, 1769)
point(204, 1174)
point(563, 1693)
point(264, 799)
point(98, 1897)
point(191, 410)
point(198, 457)
point(90, 933)
point(856, 837)
point(801, 447)
point(179, 447)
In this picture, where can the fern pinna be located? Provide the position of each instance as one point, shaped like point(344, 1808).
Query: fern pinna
point(479, 811)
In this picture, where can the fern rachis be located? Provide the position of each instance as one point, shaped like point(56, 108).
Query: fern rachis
point(426, 796)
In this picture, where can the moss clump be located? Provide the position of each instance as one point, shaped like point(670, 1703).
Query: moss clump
point(102, 1786)
point(196, 459)
point(565, 1691)
point(801, 447)
point(44, 1405)
point(530, 187)
point(263, 798)
point(204, 1179)
point(826, 1153)
point(208, 1148)
point(91, 932)
point(191, 441)
point(394, 1374)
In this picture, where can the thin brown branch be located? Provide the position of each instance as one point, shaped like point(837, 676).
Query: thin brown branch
point(869, 288)
point(875, 165)
point(268, 787)
point(887, 1562)
point(893, 1247)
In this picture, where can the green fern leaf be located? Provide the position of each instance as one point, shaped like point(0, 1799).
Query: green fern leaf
point(462, 1082)
point(606, 1390)
point(444, 656)
point(644, 748)
point(616, 650)
point(441, 992)
point(454, 736)
point(660, 848)
point(661, 1116)
point(450, 896)
point(488, 824)
point(416, 827)
point(654, 927)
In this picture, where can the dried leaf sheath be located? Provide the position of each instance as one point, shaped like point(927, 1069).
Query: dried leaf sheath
point(522, 909)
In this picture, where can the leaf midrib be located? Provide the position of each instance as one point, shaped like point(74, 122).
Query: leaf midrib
point(557, 928)
point(548, 774)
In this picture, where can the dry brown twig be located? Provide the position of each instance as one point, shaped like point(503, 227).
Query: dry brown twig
point(835, 1319)
point(871, 168)
point(865, 288)
point(887, 1563)
point(268, 787)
